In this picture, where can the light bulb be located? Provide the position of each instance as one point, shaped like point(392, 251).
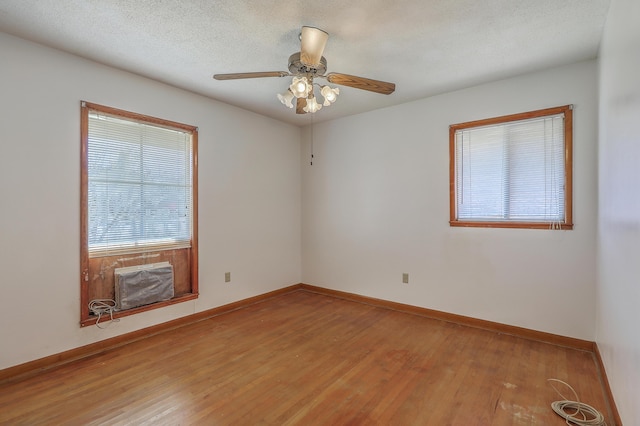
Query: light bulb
point(299, 87)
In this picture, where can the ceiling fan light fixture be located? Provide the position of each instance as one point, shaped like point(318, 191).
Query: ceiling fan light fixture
point(312, 105)
point(300, 87)
point(307, 65)
point(329, 94)
point(286, 98)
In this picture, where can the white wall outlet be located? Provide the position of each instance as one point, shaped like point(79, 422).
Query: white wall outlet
point(405, 278)
point(227, 277)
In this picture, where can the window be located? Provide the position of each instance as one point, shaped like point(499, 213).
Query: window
point(139, 202)
point(512, 171)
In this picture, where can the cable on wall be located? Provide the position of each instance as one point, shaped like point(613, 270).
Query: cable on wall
point(575, 412)
point(101, 307)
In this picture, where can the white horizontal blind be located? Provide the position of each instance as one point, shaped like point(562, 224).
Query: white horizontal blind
point(512, 171)
point(139, 186)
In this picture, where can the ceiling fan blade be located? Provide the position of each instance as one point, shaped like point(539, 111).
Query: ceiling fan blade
point(239, 75)
point(300, 104)
point(361, 83)
point(312, 43)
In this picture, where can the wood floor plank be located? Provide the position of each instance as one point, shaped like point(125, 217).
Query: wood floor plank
point(304, 358)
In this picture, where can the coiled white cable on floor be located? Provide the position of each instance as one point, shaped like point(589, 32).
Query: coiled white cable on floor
point(101, 307)
point(580, 414)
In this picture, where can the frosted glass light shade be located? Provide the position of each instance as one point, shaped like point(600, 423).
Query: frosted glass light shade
point(312, 105)
point(300, 87)
point(330, 95)
point(312, 43)
point(286, 98)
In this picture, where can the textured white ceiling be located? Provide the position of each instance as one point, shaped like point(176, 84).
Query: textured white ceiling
point(426, 47)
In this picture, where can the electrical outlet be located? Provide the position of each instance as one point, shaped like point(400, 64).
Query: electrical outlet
point(405, 278)
point(227, 277)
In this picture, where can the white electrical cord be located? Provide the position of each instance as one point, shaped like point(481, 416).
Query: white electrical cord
point(101, 307)
point(580, 413)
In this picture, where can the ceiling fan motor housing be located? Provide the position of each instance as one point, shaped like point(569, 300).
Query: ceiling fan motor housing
point(297, 67)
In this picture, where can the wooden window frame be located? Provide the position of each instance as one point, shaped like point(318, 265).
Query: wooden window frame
point(86, 293)
point(567, 224)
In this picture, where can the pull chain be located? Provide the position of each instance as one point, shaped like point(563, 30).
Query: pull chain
point(311, 161)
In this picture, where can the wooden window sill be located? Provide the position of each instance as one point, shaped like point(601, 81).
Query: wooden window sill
point(93, 319)
point(522, 225)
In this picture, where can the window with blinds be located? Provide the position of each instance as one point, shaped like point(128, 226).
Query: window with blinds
point(139, 186)
point(513, 171)
point(139, 204)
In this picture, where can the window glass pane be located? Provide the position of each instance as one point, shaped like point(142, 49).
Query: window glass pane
point(511, 171)
point(480, 174)
point(139, 185)
point(536, 172)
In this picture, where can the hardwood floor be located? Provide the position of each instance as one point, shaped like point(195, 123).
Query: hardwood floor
point(303, 359)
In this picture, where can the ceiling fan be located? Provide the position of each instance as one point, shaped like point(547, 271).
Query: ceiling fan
point(307, 65)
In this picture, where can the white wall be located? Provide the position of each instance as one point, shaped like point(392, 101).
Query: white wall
point(376, 204)
point(249, 196)
point(618, 295)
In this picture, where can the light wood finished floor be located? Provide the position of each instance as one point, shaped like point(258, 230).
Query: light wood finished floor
point(309, 359)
